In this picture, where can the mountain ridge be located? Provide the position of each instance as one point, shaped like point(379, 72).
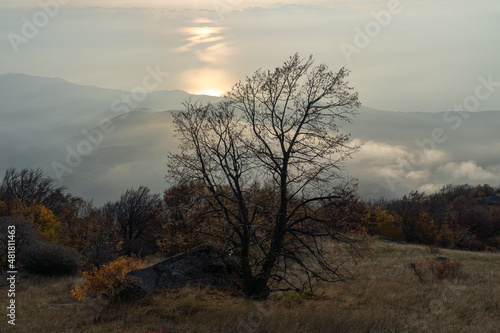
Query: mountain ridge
point(42, 124)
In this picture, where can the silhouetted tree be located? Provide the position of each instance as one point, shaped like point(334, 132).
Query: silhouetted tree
point(279, 128)
point(134, 213)
point(30, 186)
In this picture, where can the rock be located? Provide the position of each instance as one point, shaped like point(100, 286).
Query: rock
point(200, 265)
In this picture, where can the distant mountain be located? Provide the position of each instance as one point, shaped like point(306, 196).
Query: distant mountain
point(54, 103)
point(45, 122)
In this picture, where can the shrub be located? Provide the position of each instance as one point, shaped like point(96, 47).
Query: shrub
point(290, 298)
point(49, 259)
point(106, 281)
point(438, 268)
point(26, 235)
point(34, 255)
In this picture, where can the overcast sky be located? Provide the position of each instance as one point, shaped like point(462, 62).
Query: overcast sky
point(422, 56)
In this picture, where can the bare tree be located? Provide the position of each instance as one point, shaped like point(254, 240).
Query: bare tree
point(269, 156)
point(29, 186)
point(134, 212)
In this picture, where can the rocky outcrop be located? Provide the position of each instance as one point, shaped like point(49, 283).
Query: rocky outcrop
point(201, 265)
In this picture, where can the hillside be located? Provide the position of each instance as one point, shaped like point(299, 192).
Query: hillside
point(386, 297)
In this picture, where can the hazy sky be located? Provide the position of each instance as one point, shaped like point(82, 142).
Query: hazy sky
point(419, 55)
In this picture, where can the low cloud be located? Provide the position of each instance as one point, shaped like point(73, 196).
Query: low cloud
point(390, 166)
point(467, 170)
point(378, 153)
point(430, 188)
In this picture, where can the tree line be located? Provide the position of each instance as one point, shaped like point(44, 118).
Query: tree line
point(58, 233)
point(462, 217)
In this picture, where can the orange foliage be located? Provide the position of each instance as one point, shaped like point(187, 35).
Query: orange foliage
point(106, 281)
point(427, 229)
point(384, 223)
point(39, 215)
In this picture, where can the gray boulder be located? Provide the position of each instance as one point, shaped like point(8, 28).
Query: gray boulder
point(201, 265)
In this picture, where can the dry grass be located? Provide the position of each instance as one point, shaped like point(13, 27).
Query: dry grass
point(387, 297)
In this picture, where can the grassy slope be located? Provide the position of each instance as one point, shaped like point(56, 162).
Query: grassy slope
point(386, 298)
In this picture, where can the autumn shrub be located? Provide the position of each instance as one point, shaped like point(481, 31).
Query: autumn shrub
point(106, 281)
point(438, 268)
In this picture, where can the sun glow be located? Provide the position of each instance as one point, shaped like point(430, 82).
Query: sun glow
point(200, 35)
point(211, 92)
